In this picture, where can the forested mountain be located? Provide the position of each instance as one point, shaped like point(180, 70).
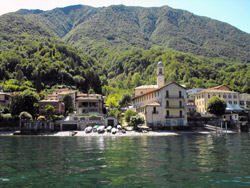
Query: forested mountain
point(121, 28)
point(118, 47)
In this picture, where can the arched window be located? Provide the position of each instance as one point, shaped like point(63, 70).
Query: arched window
point(160, 70)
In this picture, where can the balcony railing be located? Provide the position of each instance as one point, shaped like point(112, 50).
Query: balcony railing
point(174, 97)
point(155, 112)
point(174, 106)
point(174, 116)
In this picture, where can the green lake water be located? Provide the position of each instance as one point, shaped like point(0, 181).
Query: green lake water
point(173, 161)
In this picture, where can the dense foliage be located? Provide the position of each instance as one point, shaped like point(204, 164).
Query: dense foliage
point(26, 101)
point(118, 48)
point(41, 63)
point(216, 106)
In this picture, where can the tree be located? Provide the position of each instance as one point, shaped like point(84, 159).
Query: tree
point(125, 99)
point(216, 106)
point(128, 114)
point(25, 116)
point(69, 107)
point(49, 110)
point(29, 98)
point(136, 120)
point(111, 102)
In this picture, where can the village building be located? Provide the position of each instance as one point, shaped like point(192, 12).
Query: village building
point(222, 91)
point(58, 94)
point(194, 91)
point(57, 104)
point(161, 104)
point(5, 99)
point(89, 104)
point(244, 100)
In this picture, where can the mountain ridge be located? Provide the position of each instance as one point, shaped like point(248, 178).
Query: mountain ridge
point(123, 27)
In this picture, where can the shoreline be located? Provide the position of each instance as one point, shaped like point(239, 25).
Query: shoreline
point(120, 134)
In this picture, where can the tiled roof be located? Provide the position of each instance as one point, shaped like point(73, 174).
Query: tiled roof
point(147, 87)
point(167, 84)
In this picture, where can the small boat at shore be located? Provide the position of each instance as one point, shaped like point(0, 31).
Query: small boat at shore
point(109, 128)
point(88, 129)
point(113, 130)
point(101, 129)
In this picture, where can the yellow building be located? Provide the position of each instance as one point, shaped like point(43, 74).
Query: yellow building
point(161, 104)
point(222, 91)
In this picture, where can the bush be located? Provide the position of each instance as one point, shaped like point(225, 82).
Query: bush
point(41, 118)
point(6, 117)
point(25, 116)
point(128, 114)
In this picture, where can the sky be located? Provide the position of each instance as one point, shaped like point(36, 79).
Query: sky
point(234, 12)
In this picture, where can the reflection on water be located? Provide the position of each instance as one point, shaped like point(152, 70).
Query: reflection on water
point(173, 161)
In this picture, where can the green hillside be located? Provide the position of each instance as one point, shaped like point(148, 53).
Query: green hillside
point(118, 47)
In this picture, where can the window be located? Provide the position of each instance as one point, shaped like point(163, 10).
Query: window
point(168, 122)
point(154, 110)
point(180, 122)
point(230, 102)
point(167, 93)
point(180, 94)
point(224, 96)
point(180, 113)
point(208, 96)
point(235, 102)
point(168, 113)
point(235, 96)
point(152, 95)
point(229, 96)
point(167, 103)
point(180, 104)
point(160, 70)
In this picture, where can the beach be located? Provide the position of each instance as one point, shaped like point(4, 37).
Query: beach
point(120, 134)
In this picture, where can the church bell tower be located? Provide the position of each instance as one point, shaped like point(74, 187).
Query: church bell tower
point(160, 75)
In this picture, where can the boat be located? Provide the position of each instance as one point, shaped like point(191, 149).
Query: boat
point(101, 129)
point(109, 128)
point(95, 128)
point(113, 130)
point(88, 129)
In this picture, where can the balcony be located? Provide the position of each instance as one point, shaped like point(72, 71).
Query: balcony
point(174, 97)
point(155, 112)
point(174, 106)
point(174, 116)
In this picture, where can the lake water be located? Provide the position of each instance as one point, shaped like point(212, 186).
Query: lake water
point(172, 161)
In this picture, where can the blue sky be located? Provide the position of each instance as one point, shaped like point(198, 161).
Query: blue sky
point(234, 12)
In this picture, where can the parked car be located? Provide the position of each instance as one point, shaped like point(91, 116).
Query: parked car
point(88, 129)
point(101, 129)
